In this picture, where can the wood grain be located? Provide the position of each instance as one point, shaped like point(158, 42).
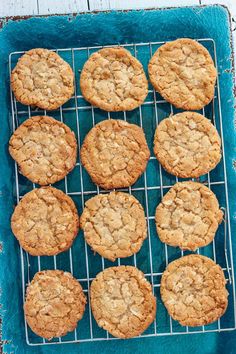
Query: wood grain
point(61, 7)
point(18, 7)
point(42, 7)
point(124, 4)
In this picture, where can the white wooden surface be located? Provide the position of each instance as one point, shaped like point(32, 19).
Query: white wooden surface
point(45, 7)
point(42, 7)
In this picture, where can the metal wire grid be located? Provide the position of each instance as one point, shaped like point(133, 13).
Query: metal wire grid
point(155, 102)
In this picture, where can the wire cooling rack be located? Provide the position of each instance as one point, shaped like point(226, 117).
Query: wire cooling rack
point(149, 189)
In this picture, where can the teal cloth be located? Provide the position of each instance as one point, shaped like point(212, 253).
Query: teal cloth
point(100, 29)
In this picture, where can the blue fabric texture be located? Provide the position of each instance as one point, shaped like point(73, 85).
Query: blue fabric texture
point(104, 29)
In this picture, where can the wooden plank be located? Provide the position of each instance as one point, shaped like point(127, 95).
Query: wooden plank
point(229, 3)
point(124, 4)
point(18, 7)
point(99, 5)
point(61, 6)
point(29, 7)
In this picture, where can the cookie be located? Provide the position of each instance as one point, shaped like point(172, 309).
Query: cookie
point(122, 301)
point(188, 216)
point(45, 222)
point(187, 145)
point(115, 153)
point(42, 78)
point(113, 80)
point(44, 149)
point(193, 290)
point(183, 72)
point(54, 303)
point(114, 225)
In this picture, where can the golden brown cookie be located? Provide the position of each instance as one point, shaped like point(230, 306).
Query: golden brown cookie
point(115, 153)
point(54, 303)
point(183, 72)
point(122, 301)
point(44, 149)
point(187, 145)
point(113, 80)
point(188, 216)
point(42, 78)
point(114, 225)
point(45, 222)
point(193, 290)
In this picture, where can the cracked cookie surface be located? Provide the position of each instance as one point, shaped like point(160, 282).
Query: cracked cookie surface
point(115, 153)
point(193, 290)
point(45, 222)
point(114, 225)
point(187, 145)
point(188, 216)
point(122, 301)
point(55, 302)
point(183, 72)
point(44, 148)
point(113, 80)
point(42, 78)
